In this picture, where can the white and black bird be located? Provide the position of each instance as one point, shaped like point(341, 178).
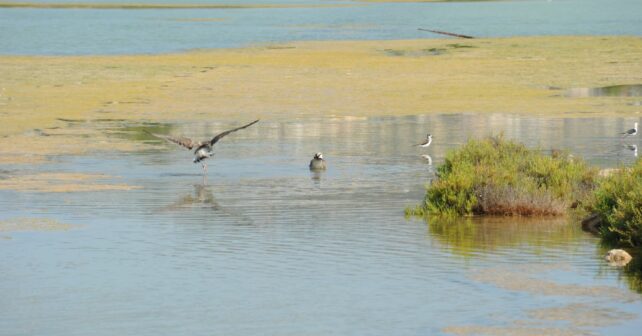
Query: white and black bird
point(632, 131)
point(317, 162)
point(426, 142)
point(203, 149)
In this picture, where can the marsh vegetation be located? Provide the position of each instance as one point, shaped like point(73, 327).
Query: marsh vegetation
point(496, 176)
point(617, 200)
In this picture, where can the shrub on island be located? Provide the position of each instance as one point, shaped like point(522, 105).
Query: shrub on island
point(617, 204)
point(495, 176)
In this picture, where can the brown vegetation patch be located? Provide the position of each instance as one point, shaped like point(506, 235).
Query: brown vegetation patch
point(495, 200)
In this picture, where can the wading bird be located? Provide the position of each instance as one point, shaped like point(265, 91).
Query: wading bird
point(632, 131)
point(204, 149)
point(317, 162)
point(426, 142)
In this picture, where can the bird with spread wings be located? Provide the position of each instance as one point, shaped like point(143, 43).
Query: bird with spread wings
point(202, 149)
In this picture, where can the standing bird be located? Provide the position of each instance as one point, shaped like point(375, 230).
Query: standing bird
point(632, 131)
point(317, 162)
point(204, 149)
point(426, 142)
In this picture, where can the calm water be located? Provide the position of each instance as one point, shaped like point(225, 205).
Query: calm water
point(73, 31)
point(634, 90)
point(266, 247)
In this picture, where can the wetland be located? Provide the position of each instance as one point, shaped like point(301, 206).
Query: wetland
point(107, 230)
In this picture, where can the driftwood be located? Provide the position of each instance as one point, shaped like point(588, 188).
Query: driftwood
point(446, 33)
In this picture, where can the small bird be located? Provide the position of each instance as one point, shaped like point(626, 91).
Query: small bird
point(426, 142)
point(204, 149)
point(632, 131)
point(317, 162)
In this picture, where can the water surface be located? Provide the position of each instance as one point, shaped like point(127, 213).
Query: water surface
point(264, 246)
point(121, 31)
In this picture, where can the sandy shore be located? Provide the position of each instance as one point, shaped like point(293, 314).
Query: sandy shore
point(337, 78)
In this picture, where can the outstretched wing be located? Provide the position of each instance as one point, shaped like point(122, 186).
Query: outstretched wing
point(219, 136)
point(180, 140)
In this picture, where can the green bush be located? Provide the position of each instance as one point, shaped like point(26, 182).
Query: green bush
point(501, 177)
point(618, 201)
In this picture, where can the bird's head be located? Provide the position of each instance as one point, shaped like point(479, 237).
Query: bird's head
point(318, 156)
point(429, 136)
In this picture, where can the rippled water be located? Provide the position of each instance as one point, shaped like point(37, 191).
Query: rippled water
point(266, 247)
point(119, 31)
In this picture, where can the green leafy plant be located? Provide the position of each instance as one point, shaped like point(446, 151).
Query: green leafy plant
point(495, 176)
point(618, 201)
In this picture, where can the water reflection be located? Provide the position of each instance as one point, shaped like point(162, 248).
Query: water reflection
point(316, 176)
point(633, 90)
point(632, 148)
point(202, 196)
point(633, 272)
point(265, 232)
point(428, 159)
point(470, 236)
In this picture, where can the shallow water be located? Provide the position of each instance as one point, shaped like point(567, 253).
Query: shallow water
point(119, 31)
point(633, 90)
point(266, 247)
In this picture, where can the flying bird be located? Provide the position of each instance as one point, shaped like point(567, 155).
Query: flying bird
point(632, 131)
point(426, 142)
point(317, 162)
point(203, 149)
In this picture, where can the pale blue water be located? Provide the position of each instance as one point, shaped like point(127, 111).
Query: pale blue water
point(74, 31)
point(265, 247)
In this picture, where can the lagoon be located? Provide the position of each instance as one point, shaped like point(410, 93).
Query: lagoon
point(35, 31)
point(264, 245)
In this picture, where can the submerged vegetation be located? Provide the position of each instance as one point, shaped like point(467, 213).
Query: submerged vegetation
point(617, 201)
point(495, 176)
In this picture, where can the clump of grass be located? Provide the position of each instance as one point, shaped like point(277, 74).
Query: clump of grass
point(495, 176)
point(618, 201)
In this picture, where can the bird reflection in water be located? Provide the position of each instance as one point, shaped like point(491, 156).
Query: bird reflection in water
point(632, 148)
point(316, 176)
point(202, 196)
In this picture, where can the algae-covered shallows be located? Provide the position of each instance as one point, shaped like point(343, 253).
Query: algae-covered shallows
point(509, 75)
